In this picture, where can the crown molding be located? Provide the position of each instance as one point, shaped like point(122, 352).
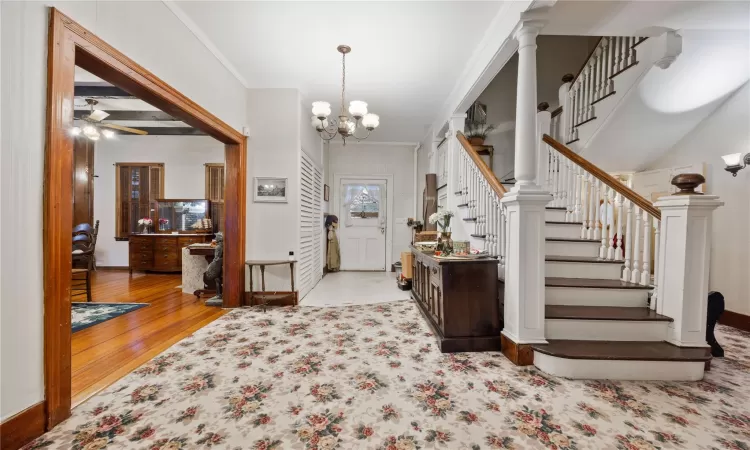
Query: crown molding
point(198, 33)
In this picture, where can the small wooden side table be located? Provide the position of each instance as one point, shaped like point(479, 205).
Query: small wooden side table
point(267, 297)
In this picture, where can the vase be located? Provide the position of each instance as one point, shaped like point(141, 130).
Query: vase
point(445, 242)
point(476, 140)
point(145, 229)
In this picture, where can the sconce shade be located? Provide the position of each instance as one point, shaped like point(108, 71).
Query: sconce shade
point(371, 121)
point(732, 160)
point(321, 109)
point(357, 108)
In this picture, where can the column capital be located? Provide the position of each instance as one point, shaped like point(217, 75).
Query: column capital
point(527, 31)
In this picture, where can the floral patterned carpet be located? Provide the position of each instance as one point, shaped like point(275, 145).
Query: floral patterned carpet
point(370, 377)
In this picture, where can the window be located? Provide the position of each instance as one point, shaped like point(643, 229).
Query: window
point(215, 193)
point(138, 187)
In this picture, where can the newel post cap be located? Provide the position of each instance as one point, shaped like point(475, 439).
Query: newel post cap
point(687, 182)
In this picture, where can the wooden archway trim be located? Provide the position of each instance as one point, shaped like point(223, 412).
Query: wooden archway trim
point(71, 44)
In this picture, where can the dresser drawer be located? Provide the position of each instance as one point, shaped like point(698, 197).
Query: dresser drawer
point(185, 241)
point(141, 261)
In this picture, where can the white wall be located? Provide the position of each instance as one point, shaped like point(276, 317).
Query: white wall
point(556, 56)
point(381, 159)
point(184, 177)
point(726, 131)
point(274, 151)
point(145, 31)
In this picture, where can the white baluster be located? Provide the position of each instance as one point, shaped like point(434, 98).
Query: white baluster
point(501, 233)
point(490, 224)
point(646, 271)
point(597, 209)
point(561, 181)
point(585, 203)
point(631, 50)
point(654, 297)
point(610, 224)
point(616, 47)
point(628, 239)
point(619, 205)
point(604, 215)
point(571, 190)
point(635, 274)
point(577, 186)
point(597, 72)
point(609, 46)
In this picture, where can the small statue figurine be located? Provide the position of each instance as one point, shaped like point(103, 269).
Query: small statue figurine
point(214, 271)
point(333, 258)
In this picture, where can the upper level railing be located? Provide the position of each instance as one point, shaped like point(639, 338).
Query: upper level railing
point(481, 192)
point(609, 211)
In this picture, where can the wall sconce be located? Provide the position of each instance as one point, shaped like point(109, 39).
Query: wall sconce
point(735, 162)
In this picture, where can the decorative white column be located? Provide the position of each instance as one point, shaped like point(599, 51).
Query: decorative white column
point(685, 250)
point(525, 203)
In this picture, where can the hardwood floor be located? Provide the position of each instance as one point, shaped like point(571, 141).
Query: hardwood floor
point(106, 352)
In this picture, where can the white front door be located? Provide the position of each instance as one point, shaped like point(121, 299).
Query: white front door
point(362, 224)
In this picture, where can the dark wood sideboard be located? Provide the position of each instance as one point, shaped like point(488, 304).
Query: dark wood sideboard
point(161, 252)
point(459, 300)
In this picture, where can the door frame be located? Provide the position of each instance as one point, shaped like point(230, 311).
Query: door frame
point(337, 177)
point(70, 44)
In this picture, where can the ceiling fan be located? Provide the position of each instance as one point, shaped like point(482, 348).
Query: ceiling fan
point(94, 129)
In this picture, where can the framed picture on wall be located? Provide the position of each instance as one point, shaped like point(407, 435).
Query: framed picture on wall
point(325, 192)
point(270, 190)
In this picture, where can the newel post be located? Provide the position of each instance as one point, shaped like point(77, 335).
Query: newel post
point(685, 249)
point(525, 205)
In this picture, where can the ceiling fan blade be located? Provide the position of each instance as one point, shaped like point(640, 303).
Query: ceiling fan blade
point(98, 115)
point(122, 128)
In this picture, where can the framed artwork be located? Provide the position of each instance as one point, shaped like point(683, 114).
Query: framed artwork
point(270, 190)
point(325, 192)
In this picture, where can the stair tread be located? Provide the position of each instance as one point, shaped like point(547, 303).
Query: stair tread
point(581, 259)
point(591, 283)
point(558, 222)
point(603, 313)
point(573, 240)
point(470, 219)
point(557, 208)
point(622, 350)
point(478, 236)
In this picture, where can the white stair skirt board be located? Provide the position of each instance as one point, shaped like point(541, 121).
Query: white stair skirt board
point(563, 230)
point(572, 248)
point(589, 369)
point(605, 330)
point(555, 215)
point(576, 296)
point(600, 271)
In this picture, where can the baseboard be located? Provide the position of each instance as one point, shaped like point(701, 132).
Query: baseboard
point(275, 298)
point(736, 320)
point(23, 428)
point(518, 354)
point(112, 268)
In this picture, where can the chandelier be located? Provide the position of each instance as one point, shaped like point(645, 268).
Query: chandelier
point(355, 126)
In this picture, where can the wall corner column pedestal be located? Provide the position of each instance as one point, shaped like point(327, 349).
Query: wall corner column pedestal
point(525, 203)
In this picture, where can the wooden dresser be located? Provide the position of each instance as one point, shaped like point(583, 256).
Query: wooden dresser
point(459, 300)
point(161, 252)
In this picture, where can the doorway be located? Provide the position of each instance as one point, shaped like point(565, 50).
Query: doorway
point(71, 45)
point(365, 222)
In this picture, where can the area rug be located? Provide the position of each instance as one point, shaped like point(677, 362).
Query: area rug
point(89, 314)
point(370, 377)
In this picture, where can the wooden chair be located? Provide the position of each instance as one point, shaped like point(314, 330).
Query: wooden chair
point(83, 255)
point(93, 232)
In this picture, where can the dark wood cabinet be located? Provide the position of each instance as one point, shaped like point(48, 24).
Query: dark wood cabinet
point(459, 300)
point(161, 252)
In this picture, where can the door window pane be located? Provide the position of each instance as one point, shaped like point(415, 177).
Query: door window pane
point(362, 201)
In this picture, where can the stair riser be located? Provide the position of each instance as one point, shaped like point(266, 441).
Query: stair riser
point(586, 369)
point(600, 271)
point(595, 297)
point(558, 230)
point(605, 330)
point(562, 248)
point(554, 215)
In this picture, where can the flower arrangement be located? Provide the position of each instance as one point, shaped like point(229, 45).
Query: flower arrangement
point(145, 221)
point(163, 221)
point(442, 218)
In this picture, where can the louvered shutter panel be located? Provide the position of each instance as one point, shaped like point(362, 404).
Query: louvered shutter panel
point(310, 257)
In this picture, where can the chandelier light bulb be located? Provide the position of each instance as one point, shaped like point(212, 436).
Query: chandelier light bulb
point(75, 131)
point(321, 110)
point(371, 121)
point(357, 108)
point(89, 130)
point(94, 137)
point(109, 134)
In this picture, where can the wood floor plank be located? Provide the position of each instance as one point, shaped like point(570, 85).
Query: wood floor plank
point(106, 352)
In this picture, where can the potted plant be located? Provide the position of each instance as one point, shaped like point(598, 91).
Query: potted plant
point(477, 132)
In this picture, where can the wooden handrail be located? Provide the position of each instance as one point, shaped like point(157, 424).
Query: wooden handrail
point(492, 180)
point(585, 62)
point(604, 177)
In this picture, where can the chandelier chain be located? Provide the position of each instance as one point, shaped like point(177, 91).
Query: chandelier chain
point(343, 80)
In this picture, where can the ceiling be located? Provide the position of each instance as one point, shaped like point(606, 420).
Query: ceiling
point(124, 109)
point(405, 60)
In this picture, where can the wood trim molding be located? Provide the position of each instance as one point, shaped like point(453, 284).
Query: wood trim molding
point(70, 44)
point(606, 178)
point(22, 428)
point(557, 111)
point(518, 354)
point(492, 180)
point(736, 320)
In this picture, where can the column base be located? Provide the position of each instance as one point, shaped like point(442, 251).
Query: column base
point(518, 354)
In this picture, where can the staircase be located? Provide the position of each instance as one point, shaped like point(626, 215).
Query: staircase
point(603, 319)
